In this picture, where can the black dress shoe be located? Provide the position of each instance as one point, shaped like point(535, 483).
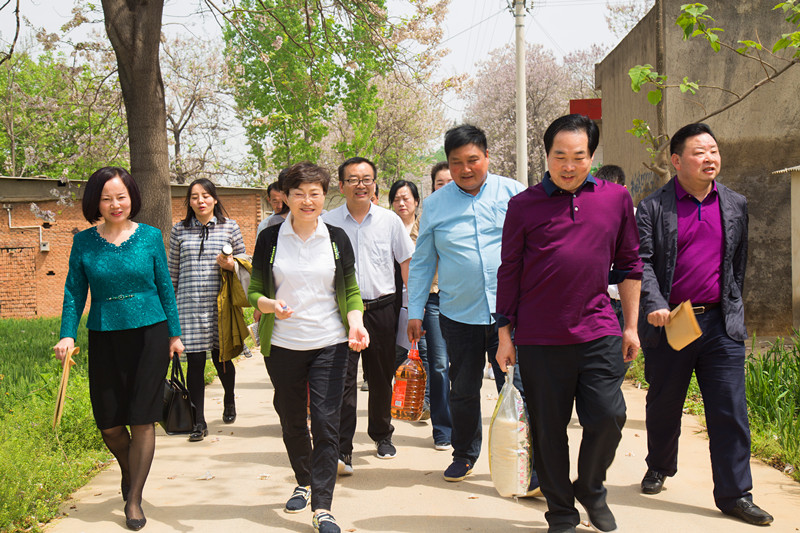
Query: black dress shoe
point(134, 524)
point(653, 482)
point(229, 413)
point(197, 434)
point(751, 513)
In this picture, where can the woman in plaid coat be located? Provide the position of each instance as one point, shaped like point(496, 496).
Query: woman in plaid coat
point(195, 257)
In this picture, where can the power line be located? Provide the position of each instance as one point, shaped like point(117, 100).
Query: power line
point(462, 32)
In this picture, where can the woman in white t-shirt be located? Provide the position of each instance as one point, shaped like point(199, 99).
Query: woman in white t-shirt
point(304, 276)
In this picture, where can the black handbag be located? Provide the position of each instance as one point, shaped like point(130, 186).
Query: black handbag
point(179, 413)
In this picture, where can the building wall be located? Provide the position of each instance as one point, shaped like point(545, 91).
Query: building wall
point(756, 137)
point(32, 281)
point(621, 106)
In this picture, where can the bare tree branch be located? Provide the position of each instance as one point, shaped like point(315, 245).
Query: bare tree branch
point(6, 56)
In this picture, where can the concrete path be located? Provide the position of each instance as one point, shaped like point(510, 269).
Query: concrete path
point(239, 478)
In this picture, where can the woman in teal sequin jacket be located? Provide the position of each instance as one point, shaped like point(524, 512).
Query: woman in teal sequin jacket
point(133, 325)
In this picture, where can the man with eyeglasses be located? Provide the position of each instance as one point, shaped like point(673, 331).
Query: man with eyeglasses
point(378, 238)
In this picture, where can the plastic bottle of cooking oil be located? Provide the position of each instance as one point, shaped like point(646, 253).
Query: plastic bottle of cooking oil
point(409, 387)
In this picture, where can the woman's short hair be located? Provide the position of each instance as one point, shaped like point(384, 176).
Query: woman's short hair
point(305, 172)
point(94, 190)
point(399, 184)
point(210, 188)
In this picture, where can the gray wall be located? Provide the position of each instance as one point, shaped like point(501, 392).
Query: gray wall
point(756, 137)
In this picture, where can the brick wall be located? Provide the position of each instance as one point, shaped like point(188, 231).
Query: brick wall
point(17, 282)
point(32, 282)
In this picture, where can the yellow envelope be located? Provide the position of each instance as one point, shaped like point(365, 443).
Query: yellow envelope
point(682, 328)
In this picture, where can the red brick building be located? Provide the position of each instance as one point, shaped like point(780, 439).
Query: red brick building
point(34, 253)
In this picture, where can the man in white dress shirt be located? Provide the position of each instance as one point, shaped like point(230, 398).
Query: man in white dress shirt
point(379, 239)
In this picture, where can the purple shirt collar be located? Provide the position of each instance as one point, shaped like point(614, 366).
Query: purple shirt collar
point(680, 192)
point(550, 188)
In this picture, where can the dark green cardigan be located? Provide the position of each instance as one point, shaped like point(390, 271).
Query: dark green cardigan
point(262, 282)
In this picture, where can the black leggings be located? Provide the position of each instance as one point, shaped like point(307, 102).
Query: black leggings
point(195, 379)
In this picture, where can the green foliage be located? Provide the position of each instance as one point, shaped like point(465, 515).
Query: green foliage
point(773, 399)
point(292, 67)
point(39, 466)
point(693, 21)
point(789, 40)
point(58, 119)
point(641, 130)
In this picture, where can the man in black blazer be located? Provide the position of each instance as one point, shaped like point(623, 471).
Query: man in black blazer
point(693, 242)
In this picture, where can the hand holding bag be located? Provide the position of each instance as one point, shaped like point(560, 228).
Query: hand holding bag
point(179, 413)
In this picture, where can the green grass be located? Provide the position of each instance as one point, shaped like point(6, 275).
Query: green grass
point(39, 466)
point(773, 400)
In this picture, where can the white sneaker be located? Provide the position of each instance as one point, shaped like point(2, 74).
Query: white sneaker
point(345, 467)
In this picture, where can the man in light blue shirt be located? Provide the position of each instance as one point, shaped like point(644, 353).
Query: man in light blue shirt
point(462, 226)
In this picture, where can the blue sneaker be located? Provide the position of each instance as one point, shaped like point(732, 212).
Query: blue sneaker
point(324, 523)
point(457, 471)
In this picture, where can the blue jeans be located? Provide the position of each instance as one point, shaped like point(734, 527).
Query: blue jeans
point(438, 376)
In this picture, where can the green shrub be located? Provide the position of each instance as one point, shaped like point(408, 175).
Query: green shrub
point(773, 400)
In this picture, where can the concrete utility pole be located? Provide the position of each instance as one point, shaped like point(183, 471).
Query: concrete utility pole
point(522, 113)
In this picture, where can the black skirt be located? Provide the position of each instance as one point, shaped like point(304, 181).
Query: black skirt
point(126, 375)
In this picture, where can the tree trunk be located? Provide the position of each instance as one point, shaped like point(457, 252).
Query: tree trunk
point(134, 29)
point(661, 164)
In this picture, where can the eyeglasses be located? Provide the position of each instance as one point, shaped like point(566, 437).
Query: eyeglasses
point(355, 181)
point(300, 196)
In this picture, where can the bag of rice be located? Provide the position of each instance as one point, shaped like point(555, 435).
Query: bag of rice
point(510, 442)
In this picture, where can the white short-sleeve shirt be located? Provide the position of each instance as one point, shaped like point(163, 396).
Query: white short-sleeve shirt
point(378, 241)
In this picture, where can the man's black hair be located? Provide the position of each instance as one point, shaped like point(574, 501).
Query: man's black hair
point(611, 173)
point(357, 161)
point(462, 136)
point(678, 140)
point(576, 123)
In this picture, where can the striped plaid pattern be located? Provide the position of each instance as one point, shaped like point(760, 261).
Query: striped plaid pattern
point(196, 278)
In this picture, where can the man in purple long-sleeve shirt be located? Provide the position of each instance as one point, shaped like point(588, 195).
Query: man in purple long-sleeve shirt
point(693, 234)
point(560, 239)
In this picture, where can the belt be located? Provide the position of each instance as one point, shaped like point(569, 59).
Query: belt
point(699, 309)
point(377, 303)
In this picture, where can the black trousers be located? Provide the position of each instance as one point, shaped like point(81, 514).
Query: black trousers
point(381, 324)
point(588, 374)
point(294, 375)
point(718, 362)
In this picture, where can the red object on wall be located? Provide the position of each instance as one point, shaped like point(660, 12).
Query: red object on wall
point(591, 107)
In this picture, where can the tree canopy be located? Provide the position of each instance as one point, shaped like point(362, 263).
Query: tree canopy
point(300, 67)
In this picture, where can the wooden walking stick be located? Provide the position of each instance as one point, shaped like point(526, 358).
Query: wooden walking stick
point(62, 387)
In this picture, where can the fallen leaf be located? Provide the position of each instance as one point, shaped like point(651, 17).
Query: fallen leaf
point(264, 476)
point(472, 497)
point(171, 477)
